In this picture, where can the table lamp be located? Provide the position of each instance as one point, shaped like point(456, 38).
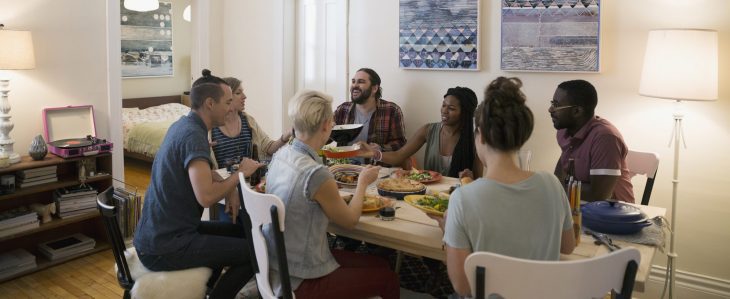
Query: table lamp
point(16, 53)
point(679, 65)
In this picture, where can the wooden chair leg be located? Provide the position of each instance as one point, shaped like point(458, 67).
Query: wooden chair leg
point(398, 261)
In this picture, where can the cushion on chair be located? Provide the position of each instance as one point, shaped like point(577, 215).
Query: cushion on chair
point(188, 283)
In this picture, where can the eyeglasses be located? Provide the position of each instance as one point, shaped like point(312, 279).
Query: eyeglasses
point(554, 106)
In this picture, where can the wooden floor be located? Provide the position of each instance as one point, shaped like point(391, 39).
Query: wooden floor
point(91, 276)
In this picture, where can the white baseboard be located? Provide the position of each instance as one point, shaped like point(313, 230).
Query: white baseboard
point(701, 285)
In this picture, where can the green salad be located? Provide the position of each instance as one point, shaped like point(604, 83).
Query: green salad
point(419, 176)
point(434, 202)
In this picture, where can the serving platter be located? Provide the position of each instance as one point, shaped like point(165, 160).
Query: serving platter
point(413, 201)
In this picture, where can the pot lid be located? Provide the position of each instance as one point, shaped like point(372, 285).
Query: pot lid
point(613, 211)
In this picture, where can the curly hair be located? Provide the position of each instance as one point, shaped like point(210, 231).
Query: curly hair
point(504, 121)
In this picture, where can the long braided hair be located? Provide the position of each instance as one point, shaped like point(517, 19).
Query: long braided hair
point(503, 119)
point(464, 152)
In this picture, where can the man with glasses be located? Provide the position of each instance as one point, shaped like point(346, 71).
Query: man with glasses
point(593, 143)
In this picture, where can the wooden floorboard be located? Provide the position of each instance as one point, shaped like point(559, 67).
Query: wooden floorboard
point(91, 276)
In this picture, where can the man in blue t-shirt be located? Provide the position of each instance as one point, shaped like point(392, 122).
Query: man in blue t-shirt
point(170, 235)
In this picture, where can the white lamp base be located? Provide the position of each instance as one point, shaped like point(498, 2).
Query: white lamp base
point(13, 158)
point(6, 143)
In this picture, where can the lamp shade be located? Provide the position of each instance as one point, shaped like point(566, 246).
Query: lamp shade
point(141, 5)
point(680, 64)
point(16, 50)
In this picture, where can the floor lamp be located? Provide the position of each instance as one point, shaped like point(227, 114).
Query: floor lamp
point(16, 53)
point(679, 65)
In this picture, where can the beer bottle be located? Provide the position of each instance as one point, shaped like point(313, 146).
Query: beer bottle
point(570, 176)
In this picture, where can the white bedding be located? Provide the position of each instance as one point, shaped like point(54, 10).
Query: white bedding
point(161, 113)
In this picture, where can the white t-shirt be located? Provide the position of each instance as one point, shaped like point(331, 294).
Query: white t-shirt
point(523, 220)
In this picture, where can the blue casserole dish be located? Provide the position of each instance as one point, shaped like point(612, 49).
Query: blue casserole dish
point(611, 217)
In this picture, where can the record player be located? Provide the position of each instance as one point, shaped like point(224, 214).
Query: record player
point(71, 132)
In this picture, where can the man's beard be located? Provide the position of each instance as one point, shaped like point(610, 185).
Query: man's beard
point(364, 95)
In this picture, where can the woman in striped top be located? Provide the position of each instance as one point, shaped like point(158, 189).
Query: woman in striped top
point(235, 139)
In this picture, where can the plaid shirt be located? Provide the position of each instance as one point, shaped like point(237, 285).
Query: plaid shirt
point(386, 124)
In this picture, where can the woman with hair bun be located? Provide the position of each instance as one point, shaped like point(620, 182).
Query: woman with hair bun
point(508, 211)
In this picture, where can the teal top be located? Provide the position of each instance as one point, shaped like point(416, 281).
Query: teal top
point(524, 220)
point(433, 159)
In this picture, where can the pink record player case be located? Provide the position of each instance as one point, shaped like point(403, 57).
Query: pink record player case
point(71, 132)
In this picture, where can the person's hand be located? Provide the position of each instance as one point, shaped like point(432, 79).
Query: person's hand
point(466, 173)
point(368, 175)
point(286, 136)
point(212, 143)
point(365, 150)
point(248, 166)
point(233, 205)
point(441, 220)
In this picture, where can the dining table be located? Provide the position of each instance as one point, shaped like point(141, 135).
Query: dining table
point(414, 233)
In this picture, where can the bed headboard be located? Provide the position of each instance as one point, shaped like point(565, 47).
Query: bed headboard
point(142, 103)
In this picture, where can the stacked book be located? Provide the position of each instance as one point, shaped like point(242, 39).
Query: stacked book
point(75, 201)
point(129, 207)
point(66, 246)
point(17, 220)
point(16, 261)
point(37, 176)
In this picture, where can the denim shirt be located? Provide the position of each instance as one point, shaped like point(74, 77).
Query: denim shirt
point(295, 173)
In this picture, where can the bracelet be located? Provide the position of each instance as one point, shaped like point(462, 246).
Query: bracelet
point(378, 156)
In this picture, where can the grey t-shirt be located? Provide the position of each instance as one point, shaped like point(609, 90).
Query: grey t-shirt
point(364, 119)
point(171, 213)
point(523, 220)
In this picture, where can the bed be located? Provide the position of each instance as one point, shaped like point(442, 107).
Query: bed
point(145, 122)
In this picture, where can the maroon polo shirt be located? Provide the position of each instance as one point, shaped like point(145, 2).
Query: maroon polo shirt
point(598, 149)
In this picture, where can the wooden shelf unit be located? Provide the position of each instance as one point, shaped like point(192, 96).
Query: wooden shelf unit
point(89, 224)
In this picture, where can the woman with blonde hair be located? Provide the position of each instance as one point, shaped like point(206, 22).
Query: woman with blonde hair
point(309, 192)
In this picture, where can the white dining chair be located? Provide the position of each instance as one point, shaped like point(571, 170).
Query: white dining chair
point(264, 209)
point(490, 273)
point(646, 164)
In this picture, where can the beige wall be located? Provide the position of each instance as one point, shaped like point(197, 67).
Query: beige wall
point(703, 237)
point(69, 39)
point(180, 81)
point(251, 35)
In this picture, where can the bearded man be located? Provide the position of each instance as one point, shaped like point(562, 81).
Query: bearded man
point(382, 120)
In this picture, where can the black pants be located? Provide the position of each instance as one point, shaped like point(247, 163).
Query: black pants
point(217, 245)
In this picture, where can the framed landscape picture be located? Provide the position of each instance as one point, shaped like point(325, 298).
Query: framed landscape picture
point(147, 42)
point(439, 35)
point(550, 35)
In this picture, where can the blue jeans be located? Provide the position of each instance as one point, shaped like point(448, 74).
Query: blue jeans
point(217, 245)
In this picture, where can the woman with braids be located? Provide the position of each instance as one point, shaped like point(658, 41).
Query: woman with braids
point(508, 211)
point(449, 143)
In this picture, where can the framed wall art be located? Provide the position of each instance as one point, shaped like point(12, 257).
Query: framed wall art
point(439, 35)
point(550, 35)
point(146, 42)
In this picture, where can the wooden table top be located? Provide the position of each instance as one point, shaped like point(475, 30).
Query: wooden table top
point(415, 233)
